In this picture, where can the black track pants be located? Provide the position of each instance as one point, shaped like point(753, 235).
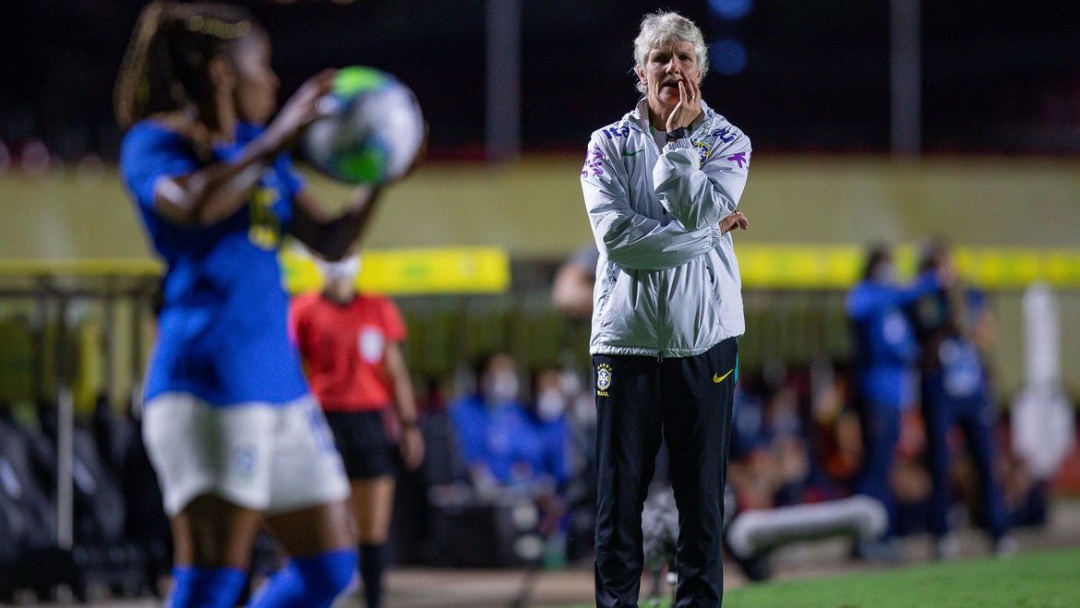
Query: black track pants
point(690, 401)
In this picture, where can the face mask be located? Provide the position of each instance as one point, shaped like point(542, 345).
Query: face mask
point(569, 382)
point(501, 388)
point(550, 404)
point(344, 270)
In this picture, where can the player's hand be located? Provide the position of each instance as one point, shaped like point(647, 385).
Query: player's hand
point(737, 219)
point(689, 106)
point(412, 447)
point(301, 110)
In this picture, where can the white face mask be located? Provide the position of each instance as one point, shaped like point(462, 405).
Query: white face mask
point(550, 404)
point(343, 270)
point(569, 382)
point(501, 388)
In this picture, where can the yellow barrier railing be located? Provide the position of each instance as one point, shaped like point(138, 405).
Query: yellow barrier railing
point(487, 269)
point(411, 271)
point(838, 267)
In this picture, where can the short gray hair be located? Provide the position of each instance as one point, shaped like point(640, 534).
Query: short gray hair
point(660, 27)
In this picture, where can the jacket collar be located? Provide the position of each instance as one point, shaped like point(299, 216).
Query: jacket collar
point(639, 116)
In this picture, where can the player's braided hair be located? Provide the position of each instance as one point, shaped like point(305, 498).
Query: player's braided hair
point(166, 64)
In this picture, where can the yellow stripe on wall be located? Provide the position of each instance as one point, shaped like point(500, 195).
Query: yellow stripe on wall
point(411, 271)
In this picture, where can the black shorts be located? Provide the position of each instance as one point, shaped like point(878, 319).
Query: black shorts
point(361, 439)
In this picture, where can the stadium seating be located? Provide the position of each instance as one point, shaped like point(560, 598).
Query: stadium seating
point(105, 554)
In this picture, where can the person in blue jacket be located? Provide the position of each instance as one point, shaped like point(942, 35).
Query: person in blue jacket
point(234, 434)
point(956, 393)
point(886, 352)
point(504, 443)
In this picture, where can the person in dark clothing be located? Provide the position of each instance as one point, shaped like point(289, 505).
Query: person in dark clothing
point(956, 393)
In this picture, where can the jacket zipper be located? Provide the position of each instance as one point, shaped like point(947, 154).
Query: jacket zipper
point(661, 310)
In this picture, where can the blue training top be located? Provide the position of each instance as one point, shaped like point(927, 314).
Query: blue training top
point(222, 328)
point(514, 446)
point(886, 349)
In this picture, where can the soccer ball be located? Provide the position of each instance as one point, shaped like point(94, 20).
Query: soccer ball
point(371, 131)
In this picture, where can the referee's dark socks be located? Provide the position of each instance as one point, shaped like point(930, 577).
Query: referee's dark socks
point(372, 564)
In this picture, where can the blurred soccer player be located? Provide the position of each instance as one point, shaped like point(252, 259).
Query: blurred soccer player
point(956, 392)
point(350, 344)
point(886, 351)
point(233, 432)
point(660, 186)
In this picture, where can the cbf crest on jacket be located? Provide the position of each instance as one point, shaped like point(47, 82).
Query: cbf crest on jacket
point(667, 282)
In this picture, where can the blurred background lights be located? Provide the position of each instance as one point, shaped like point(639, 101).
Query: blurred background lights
point(731, 9)
point(727, 56)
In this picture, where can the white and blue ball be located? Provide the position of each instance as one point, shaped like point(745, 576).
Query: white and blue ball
point(372, 130)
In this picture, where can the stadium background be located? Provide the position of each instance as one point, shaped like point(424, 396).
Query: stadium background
point(996, 168)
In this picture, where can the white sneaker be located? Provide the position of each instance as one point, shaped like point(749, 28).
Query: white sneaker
point(947, 548)
point(1005, 546)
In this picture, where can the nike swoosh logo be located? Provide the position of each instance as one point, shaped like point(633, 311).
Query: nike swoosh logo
point(633, 153)
point(718, 379)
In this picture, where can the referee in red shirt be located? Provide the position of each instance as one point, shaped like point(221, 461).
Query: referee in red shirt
point(351, 347)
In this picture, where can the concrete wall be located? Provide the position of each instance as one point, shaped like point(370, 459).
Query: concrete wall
point(533, 209)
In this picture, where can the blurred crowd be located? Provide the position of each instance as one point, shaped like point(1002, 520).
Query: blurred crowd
point(508, 475)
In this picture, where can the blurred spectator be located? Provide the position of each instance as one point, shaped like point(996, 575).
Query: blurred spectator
point(789, 439)
point(498, 435)
point(769, 451)
point(752, 471)
point(572, 292)
point(580, 493)
point(956, 394)
point(548, 405)
point(1026, 496)
point(885, 355)
point(835, 438)
point(910, 479)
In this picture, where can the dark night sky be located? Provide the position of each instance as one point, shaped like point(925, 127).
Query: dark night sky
point(998, 76)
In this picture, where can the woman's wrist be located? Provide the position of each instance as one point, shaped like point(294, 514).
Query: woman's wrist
point(677, 134)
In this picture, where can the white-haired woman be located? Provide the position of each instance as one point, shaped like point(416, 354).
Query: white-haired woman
point(661, 187)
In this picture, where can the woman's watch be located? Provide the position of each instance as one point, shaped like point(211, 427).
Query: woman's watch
point(678, 134)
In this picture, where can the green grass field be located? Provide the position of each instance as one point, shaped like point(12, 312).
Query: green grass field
point(1047, 579)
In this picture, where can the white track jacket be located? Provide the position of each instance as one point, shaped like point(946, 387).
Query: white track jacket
point(667, 282)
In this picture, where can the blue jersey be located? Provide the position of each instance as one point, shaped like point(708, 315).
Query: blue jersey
point(886, 349)
point(950, 359)
point(222, 327)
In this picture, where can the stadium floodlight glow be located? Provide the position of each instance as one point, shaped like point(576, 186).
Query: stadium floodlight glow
point(732, 10)
point(728, 56)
